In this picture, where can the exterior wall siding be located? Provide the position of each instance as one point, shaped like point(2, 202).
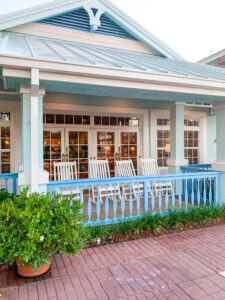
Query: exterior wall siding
point(211, 138)
point(66, 34)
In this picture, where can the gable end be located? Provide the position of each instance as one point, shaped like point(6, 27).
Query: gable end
point(79, 20)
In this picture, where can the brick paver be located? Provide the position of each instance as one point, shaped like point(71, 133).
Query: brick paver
point(183, 265)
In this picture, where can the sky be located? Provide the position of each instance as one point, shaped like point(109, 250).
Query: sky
point(193, 28)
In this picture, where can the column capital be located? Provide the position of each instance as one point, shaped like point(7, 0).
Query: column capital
point(26, 89)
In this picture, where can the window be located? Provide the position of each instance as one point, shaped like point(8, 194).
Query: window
point(66, 119)
point(5, 149)
point(163, 141)
point(116, 121)
point(129, 147)
point(191, 141)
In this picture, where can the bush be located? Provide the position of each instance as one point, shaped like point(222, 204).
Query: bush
point(34, 227)
point(5, 195)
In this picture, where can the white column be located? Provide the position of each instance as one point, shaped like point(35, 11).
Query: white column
point(31, 171)
point(176, 138)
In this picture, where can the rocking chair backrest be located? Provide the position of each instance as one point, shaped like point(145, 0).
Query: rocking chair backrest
point(99, 168)
point(125, 168)
point(149, 166)
point(65, 171)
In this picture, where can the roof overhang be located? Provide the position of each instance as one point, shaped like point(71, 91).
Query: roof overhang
point(113, 78)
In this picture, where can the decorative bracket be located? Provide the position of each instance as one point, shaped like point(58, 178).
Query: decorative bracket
point(94, 19)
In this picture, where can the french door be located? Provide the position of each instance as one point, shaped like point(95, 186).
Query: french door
point(116, 144)
point(81, 144)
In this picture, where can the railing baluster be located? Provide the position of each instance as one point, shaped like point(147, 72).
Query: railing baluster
point(115, 203)
point(198, 194)
point(122, 202)
point(173, 194)
point(216, 181)
point(138, 199)
point(71, 193)
point(98, 205)
point(166, 197)
point(145, 196)
point(186, 195)
point(107, 202)
point(131, 201)
point(210, 191)
point(152, 186)
point(6, 185)
point(14, 185)
point(180, 193)
point(89, 210)
point(192, 192)
point(81, 199)
point(160, 197)
point(204, 192)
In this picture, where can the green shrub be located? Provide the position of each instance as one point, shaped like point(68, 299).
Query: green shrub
point(35, 227)
point(5, 195)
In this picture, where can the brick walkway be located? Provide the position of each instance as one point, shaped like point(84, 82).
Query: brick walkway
point(180, 266)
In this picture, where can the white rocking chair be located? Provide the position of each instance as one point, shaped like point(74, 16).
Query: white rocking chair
point(66, 171)
point(150, 167)
point(125, 168)
point(100, 169)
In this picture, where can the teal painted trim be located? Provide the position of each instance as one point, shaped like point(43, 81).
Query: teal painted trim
point(26, 132)
point(177, 131)
point(220, 135)
point(40, 131)
point(211, 137)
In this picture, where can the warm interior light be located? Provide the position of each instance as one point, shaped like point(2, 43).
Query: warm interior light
point(167, 150)
point(108, 148)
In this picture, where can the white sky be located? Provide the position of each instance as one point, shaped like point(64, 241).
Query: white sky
point(193, 28)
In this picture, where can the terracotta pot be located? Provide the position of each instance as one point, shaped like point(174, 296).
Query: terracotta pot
point(28, 271)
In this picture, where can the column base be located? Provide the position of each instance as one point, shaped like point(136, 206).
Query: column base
point(24, 180)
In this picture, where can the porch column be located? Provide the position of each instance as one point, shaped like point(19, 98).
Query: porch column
point(176, 138)
point(219, 165)
point(31, 171)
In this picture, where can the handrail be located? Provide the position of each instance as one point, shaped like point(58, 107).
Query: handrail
point(7, 177)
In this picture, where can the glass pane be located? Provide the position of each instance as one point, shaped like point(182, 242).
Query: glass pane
point(133, 138)
point(86, 120)
point(105, 120)
point(121, 121)
point(113, 121)
point(83, 166)
point(5, 157)
point(98, 120)
point(59, 119)
point(124, 151)
point(50, 118)
point(6, 168)
point(68, 119)
point(124, 138)
point(109, 151)
point(133, 122)
point(73, 152)
point(44, 118)
point(83, 151)
point(101, 152)
point(195, 143)
point(5, 132)
point(46, 137)
point(133, 151)
point(78, 120)
point(101, 136)
point(196, 134)
point(47, 165)
point(160, 143)
point(46, 152)
point(83, 138)
point(56, 152)
point(160, 134)
point(127, 122)
point(166, 134)
point(55, 137)
point(159, 153)
point(5, 143)
point(110, 138)
point(73, 137)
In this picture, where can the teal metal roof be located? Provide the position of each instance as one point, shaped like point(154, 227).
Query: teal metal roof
point(27, 46)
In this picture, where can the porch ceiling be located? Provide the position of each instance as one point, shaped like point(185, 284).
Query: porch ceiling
point(107, 91)
point(39, 48)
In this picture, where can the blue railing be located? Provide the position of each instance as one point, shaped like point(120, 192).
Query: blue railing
point(196, 168)
point(8, 179)
point(109, 201)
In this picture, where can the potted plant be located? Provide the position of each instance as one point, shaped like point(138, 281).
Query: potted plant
point(33, 227)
